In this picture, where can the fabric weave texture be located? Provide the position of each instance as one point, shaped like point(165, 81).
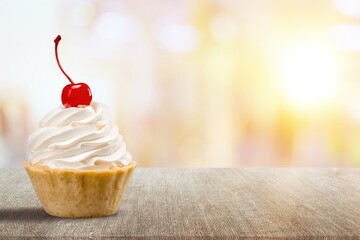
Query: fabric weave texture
point(213, 203)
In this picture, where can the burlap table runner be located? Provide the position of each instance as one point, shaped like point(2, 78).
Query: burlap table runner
point(201, 203)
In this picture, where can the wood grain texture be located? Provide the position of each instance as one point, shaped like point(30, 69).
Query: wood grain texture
point(201, 203)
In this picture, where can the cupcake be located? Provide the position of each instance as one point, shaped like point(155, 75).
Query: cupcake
point(78, 163)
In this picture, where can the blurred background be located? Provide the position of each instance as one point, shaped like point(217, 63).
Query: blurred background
point(220, 83)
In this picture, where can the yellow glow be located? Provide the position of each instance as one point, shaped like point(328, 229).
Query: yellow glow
point(308, 74)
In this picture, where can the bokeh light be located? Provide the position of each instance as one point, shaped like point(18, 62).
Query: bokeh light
point(309, 74)
point(192, 83)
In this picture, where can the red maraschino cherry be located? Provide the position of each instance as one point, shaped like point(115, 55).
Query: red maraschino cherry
point(73, 94)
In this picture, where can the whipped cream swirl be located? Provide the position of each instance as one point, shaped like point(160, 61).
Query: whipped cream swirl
point(78, 138)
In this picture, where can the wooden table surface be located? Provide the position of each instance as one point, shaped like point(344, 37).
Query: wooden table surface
point(201, 203)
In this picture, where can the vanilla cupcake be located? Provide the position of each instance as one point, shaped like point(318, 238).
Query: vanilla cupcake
point(78, 163)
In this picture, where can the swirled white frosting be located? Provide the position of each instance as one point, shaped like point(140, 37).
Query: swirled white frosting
point(78, 138)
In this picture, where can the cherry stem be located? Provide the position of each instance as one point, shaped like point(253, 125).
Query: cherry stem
point(57, 40)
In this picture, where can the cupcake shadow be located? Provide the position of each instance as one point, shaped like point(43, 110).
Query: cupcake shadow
point(24, 214)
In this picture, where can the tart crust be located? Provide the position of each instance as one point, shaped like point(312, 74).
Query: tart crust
point(79, 193)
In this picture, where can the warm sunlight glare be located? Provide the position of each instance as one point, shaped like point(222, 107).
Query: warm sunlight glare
point(308, 74)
